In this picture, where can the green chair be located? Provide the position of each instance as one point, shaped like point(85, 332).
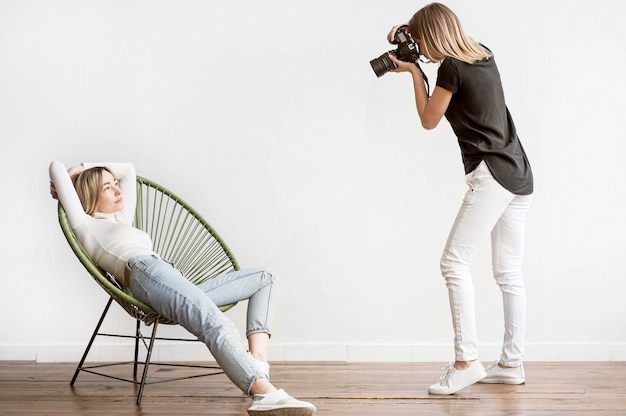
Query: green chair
point(180, 235)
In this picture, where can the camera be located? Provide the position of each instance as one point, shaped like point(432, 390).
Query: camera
point(407, 51)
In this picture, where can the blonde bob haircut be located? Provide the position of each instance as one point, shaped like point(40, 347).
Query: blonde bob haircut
point(441, 35)
point(88, 186)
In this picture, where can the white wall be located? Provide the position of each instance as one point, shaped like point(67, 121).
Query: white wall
point(266, 117)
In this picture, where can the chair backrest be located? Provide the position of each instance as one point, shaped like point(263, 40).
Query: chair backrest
point(179, 234)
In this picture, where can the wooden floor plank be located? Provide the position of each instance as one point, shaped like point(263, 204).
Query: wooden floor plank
point(346, 389)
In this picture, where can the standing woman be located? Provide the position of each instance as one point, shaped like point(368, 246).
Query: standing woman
point(469, 93)
point(100, 201)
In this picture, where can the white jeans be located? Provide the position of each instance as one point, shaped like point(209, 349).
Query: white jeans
point(487, 208)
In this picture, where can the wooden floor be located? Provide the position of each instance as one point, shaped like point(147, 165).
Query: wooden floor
point(335, 388)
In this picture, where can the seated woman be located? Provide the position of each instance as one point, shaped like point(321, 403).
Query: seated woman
point(100, 200)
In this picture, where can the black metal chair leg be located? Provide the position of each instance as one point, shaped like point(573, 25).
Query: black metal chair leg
point(93, 337)
point(147, 363)
point(137, 336)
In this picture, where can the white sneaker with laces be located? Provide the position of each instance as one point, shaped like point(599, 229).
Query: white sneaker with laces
point(454, 380)
point(499, 375)
point(279, 403)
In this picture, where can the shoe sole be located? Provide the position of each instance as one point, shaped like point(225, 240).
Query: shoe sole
point(285, 411)
point(457, 390)
point(502, 381)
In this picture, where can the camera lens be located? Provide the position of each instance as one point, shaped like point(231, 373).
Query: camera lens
point(382, 65)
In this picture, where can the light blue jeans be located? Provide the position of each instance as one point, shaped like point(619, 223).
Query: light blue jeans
point(159, 284)
point(487, 209)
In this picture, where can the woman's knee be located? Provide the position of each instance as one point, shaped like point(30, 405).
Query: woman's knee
point(450, 265)
point(266, 277)
point(511, 279)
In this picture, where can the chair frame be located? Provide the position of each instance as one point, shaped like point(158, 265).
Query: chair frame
point(166, 217)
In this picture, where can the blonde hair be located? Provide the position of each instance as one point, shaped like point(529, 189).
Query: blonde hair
point(441, 35)
point(88, 186)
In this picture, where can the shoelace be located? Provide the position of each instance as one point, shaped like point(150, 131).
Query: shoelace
point(448, 371)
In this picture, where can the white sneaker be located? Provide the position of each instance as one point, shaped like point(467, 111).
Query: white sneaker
point(499, 375)
point(279, 403)
point(454, 380)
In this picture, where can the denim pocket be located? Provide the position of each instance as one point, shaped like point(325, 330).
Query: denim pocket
point(138, 290)
point(141, 272)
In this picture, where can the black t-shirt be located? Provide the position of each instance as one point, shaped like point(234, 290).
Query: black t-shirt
point(482, 123)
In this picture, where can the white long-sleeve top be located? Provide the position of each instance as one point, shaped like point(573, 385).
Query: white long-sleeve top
point(109, 239)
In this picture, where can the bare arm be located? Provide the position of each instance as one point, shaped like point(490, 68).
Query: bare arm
point(430, 110)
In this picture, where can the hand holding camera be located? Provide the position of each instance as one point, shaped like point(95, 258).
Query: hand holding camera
point(392, 32)
point(406, 51)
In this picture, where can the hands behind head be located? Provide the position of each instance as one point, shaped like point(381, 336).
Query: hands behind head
point(53, 192)
point(73, 172)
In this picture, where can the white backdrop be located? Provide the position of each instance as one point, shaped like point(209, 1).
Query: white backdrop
point(267, 118)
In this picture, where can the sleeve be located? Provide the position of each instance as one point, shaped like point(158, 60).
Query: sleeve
point(67, 194)
point(125, 174)
point(448, 76)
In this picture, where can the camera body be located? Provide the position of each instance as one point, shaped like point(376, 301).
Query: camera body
point(407, 51)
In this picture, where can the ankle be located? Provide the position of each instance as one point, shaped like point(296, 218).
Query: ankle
point(258, 356)
point(262, 386)
point(463, 365)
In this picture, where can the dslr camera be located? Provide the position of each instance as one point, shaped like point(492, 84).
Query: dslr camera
point(407, 51)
